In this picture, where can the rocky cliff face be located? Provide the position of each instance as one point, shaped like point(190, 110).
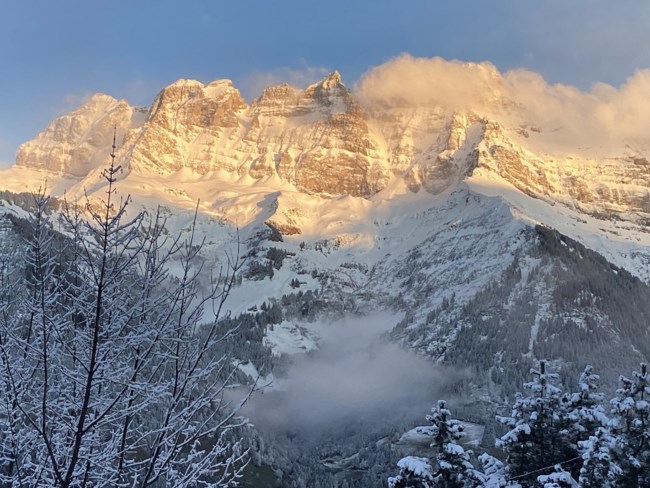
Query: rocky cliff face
point(599, 186)
point(323, 141)
point(189, 125)
point(78, 142)
point(317, 139)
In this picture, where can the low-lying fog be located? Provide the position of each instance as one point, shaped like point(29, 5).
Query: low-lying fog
point(356, 379)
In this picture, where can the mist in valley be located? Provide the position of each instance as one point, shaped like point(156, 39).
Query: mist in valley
point(356, 381)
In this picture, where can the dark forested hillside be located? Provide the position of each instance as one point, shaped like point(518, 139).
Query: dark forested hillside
point(556, 300)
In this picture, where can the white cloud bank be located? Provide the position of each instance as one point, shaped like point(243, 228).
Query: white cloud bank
point(602, 115)
point(355, 378)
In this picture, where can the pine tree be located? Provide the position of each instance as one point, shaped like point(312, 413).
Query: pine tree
point(630, 424)
point(454, 467)
point(557, 479)
point(534, 440)
point(415, 472)
point(495, 473)
point(599, 469)
point(582, 414)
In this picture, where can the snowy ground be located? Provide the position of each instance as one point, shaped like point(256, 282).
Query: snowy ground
point(289, 338)
point(418, 439)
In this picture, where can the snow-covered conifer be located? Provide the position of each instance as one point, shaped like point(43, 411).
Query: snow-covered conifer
point(415, 472)
point(599, 469)
point(581, 414)
point(557, 479)
point(494, 473)
point(583, 410)
point(454, 466)
point(534, 440)
point(630, 424)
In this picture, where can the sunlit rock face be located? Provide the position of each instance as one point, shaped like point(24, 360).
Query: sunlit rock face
point(322, 140)
point(317, 139)
point(189, 125)
point(78, 142)
point(603, 186)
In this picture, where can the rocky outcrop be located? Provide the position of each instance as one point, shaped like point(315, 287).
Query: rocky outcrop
point(189, 125)
point(317, 139)
point(80, 141)
point(607, 187)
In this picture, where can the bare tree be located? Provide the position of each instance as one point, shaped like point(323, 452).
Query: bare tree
point(112, 372)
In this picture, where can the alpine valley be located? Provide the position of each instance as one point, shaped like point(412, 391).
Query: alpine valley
point(478, 237)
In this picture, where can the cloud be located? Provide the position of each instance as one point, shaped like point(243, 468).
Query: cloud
point(417, 82)
point(256, 81)
point(602, 115)
point(72, 101)
point(355, 379)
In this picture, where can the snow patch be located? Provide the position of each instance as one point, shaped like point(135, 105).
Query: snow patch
point(289, 338)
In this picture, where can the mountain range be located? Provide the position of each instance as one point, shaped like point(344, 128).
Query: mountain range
point(497, 239)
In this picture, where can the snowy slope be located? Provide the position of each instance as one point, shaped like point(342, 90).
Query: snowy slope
point(321, 163)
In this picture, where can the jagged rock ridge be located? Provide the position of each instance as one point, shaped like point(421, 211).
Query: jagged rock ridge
point(323, 141)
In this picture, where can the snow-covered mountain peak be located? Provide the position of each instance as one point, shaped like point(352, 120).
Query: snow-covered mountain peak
point(326, 141)
point(183, 91)
point(280, 100)
point(330, 82)
point(77, 142)
point(322, 141)
point(185, 83)
point(98, 98)
point(330, 91)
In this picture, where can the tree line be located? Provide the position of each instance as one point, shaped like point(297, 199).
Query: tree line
point(554, 439)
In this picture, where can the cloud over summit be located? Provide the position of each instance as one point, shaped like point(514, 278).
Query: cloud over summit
point(602, 115)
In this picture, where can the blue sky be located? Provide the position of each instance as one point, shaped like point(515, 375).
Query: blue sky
point(54, 53)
